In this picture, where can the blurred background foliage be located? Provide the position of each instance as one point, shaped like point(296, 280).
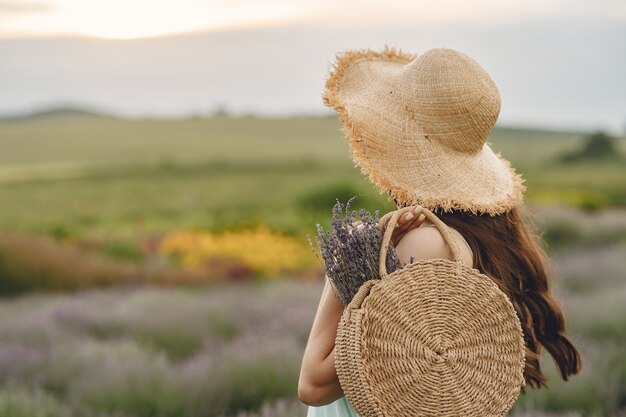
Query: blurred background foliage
point(160, 267)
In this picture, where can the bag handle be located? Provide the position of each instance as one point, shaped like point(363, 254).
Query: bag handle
point(389, 222)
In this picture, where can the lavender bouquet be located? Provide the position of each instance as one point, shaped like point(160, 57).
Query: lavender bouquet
point(350, 254)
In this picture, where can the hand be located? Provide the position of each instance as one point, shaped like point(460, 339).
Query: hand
point(403, 226)
point(414, 220)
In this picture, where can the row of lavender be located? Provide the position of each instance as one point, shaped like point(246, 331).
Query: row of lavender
point(235, 349)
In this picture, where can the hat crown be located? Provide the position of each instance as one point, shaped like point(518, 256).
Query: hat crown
point(455, 100)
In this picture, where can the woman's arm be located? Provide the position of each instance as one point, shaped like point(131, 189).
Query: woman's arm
point(318, 383)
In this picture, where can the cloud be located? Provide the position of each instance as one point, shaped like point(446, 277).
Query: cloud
point(555, 72)
point(8, 6)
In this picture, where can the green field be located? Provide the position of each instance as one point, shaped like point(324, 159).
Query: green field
point(89, 174)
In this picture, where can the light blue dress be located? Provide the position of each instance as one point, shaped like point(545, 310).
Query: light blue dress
point(338, 408)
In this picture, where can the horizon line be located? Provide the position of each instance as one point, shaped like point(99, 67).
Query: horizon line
point(59, 111)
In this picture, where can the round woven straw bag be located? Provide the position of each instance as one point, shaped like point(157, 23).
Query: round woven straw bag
point(433, 338)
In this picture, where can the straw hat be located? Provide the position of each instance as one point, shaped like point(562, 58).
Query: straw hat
point(433, 338)
point(418, 128)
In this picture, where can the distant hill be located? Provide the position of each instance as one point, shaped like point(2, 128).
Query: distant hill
point(73, 112)
point(56, 112)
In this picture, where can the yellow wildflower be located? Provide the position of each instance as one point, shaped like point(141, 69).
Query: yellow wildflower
point(260, 249)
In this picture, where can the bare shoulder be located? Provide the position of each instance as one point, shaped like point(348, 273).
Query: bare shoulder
point(427, 243)
point(422, 243)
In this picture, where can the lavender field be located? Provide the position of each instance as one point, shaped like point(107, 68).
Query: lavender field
point(234, 349)
point(96, 321)
point(153, 351)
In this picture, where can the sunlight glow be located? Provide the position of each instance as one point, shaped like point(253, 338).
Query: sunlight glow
point(128, 19)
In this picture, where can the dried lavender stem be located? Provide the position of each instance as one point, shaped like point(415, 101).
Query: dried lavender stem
point(350, 254)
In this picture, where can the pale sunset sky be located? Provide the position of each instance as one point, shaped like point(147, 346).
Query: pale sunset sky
point(558, 63)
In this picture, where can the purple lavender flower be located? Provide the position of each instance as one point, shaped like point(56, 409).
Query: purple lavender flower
point(350, 254)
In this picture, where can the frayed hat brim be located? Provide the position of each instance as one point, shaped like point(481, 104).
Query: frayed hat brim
point(381, 145)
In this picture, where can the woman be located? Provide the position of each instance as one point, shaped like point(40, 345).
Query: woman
point(418, 129)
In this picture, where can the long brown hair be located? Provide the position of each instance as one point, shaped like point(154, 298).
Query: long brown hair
point(508, 251)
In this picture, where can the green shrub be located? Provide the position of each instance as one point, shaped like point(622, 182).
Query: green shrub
point(61, 232)
point(598, 146)
point(29, 263)
point(42, 263)
point(123, 250)
point(323, 199)
point(588, 200)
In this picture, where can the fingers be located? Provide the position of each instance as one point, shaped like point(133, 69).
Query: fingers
point(411, 220)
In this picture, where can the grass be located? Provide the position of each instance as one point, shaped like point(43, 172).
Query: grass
point(69, 143)
point(103, 176)
point(136, 202)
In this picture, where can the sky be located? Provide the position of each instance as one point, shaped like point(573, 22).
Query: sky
point(557, 63)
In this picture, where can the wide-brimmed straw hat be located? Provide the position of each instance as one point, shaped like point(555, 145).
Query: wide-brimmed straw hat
point(418, 128)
